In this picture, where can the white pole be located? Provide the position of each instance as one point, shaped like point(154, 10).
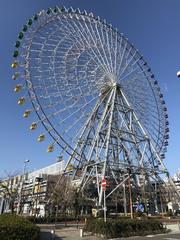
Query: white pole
point(21, 187)
point(124, 199)
point(104, 205)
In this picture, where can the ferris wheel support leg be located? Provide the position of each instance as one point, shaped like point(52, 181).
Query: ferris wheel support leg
point(107, 142)
point(144, 132)
point(84, 184)
point(101, 121)
point(151, 149)
point(97, 181)
point(88, 122)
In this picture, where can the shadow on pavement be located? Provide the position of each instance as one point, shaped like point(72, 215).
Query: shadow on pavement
point(45, 235)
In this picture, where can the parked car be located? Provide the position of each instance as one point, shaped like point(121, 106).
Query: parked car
point(177, 213)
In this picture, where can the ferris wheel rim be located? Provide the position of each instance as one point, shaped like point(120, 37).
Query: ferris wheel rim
point(105, 24)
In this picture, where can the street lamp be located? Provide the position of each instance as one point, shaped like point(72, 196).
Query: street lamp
point(178, 74)
point(22, 183)
point(24, 168)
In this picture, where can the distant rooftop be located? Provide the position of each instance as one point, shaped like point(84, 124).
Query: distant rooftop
point(52, 169)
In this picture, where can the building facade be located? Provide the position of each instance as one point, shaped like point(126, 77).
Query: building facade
point(29, 193)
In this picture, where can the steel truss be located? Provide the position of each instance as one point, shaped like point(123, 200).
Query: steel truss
point(114, 145)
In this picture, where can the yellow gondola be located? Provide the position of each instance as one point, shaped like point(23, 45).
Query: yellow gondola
point(70, 167)
point(33, 126)
point(21, 101)
point(41, 138)
point(17, 88)
point(14, 64)
point(26, 114)
point(50, 149)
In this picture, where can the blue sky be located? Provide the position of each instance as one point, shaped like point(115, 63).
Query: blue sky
point(152, 26)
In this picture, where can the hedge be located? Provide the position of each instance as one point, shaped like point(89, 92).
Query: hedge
point(13, 227)
point(62, 218)
point(115, 228)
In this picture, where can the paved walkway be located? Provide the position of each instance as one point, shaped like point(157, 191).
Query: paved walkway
point(72, 233)
point(68, 233)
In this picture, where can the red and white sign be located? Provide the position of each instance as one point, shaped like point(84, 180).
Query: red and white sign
point(103, 184)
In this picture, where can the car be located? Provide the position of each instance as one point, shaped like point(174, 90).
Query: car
point(177, 213)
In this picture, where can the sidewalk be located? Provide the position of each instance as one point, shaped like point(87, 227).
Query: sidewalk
point(68, 233)
point(73, 233)
point(175, 227)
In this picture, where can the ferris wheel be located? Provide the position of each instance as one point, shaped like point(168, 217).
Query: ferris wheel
point(95, 95)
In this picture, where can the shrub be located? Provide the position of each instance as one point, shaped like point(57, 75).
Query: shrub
point(115, 228)
point(61, 218)
point(13, 227)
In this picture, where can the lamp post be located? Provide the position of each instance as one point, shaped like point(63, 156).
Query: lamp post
point(22, 183)
point(24, 167)
point(178, 74)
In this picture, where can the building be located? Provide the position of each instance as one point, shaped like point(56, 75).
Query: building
point(29, 193)
point(174, 206)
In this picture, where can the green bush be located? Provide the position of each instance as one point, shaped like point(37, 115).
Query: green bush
point(13, 227)
point(62, 218)
point(115, 228)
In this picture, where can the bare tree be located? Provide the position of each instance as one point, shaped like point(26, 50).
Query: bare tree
point(9, 191)
point(60, 193)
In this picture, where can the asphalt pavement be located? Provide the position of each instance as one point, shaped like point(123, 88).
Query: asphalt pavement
point(68, 233)
point(73, 233)
point(175, 236)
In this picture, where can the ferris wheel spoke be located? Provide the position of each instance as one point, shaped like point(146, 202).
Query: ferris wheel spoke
point(94, 47)
point(110, 49)
point(80, 34)
point(135, 70)
point(73, 125)
point(129, 73)
point(63, 144)
point(121, 59)
point(131, 61)
point(66, 130)
point(69, 116)
point(77, 35)
point(115, 50)
point(72, 33)
point(100, 50)
point(102, 40)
